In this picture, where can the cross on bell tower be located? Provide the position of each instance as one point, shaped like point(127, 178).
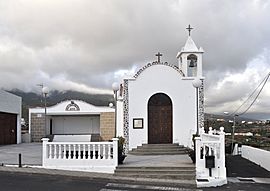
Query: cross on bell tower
point(158, 55)
point(189, 28)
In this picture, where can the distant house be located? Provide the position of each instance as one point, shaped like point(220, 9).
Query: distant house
point(10, 118)
point(72, 117)
point(248, 134)
point(221, 120)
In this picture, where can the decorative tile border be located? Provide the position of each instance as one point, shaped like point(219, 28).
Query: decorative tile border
point(158, 63)
point(126, 115)
point(201, 105)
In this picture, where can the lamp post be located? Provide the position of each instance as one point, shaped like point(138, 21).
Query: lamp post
point(45, 91)
point(233, 128)
point(197, 83)
point(115, 87)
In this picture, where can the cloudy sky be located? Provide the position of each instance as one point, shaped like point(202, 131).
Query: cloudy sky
point(85, 45)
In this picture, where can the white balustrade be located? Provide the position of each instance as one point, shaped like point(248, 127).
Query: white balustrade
point(210, 144)
point(85, 156)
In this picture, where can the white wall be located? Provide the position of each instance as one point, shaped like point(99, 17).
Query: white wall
point(258, 156)
point(10, 103)
point(120, 120)
point(60, 109)
point(162, 79)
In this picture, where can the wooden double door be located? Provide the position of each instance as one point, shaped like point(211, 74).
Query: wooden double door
point(8, 128)
point(159, 119)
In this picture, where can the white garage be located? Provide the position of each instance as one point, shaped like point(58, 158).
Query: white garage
point(65, 125)
point(72, 117)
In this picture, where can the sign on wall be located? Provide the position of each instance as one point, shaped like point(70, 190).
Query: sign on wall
point(72, 107)
point(137, 123)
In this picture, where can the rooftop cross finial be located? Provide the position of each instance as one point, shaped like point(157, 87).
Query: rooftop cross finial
point(189, 28)
point(158, 55)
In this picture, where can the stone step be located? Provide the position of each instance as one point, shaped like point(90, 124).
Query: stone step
point(159, 176)
point(150, 171)
point(159, 149)
point(157, 153)
point(161, 145)
point(186, 167)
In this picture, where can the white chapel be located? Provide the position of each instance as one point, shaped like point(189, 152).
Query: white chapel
point(159, 103)
point(158, 111)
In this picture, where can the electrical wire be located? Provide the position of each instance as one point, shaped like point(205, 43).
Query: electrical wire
point(249, 97)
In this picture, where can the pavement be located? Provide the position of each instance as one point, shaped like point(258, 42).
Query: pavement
point(31, 154)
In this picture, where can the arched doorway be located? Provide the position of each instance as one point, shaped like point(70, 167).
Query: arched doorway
point(159, 119)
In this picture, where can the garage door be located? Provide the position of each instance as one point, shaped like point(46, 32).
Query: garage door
point(8, 128)
point(65, 125)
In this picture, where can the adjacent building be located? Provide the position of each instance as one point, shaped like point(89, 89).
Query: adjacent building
point(10, 118)
point(72, 117)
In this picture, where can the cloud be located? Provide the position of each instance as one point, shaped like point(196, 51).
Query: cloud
point(234, 88)
point(89, 44)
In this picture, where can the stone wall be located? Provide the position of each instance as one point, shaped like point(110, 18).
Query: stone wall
point(37, 127)
point(107, 129)
point(107, 126)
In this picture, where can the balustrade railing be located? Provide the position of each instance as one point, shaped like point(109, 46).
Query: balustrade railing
point(211, 146)
point(87, 156)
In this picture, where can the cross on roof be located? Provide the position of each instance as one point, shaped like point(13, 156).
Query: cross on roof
point(158, 55)
point(189, 28)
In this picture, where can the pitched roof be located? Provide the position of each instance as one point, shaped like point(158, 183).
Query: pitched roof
point(190, 46)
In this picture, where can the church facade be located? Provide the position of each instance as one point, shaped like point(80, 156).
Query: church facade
point(158, 105)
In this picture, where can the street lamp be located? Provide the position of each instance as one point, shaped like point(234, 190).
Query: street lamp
point(234, 122)
point(115, 87)
point(110, 105)
point(197, 83)
point(45, 91)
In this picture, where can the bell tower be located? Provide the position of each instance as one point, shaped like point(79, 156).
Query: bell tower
point(190, 58)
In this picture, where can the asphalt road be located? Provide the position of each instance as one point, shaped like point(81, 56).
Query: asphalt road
point(10, 181)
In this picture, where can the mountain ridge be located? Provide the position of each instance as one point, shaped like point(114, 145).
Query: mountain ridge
point(31, 99)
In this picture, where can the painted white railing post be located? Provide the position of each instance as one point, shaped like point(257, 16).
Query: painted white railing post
point(198, 149)
point(44, 150)
point(210, 132)
point(115, 151)
point(222, 153)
